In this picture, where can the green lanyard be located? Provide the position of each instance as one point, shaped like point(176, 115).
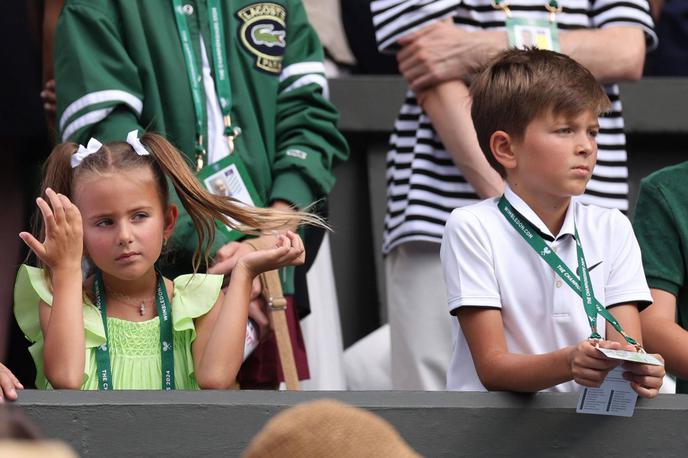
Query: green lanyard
point(590, 303)
point(222, 83)
point(166, 337)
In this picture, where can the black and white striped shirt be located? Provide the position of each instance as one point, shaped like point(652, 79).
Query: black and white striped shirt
point(423, 184)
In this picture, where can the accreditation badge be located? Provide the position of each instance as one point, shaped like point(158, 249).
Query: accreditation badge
point(229, 177)
point(527, 33)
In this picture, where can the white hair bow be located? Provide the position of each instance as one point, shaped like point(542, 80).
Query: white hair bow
point(83, 152)
point(133, 140)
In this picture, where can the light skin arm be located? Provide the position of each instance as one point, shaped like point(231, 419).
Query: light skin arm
point(227, 257)
point(500, 369)
point(219, 345)
point(442, 52)
point(62, 323)
point(437, 59)
point(662, 333)
point(448, 105)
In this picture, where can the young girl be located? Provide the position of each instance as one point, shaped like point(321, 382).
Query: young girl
point(109, 205)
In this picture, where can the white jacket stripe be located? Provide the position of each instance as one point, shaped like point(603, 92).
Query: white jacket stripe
point(93, 98)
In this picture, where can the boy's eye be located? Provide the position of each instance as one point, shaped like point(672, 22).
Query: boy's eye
point(564, 130)
point(594, 133)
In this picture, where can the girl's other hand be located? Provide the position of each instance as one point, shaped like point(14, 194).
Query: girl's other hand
point(9, 384)
point(288, 251)
point(63, 244)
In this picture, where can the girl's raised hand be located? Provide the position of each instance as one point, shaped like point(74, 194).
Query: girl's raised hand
point(63, 244)
point(288, 251)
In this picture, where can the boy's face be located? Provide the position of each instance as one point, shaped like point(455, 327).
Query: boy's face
point(556, 156)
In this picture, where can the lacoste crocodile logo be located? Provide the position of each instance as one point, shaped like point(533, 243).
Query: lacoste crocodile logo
point(265, 34)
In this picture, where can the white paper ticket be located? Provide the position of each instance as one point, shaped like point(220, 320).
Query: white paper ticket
point(634, 356)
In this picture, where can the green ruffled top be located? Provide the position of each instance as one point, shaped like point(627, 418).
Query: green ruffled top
point(134, 346)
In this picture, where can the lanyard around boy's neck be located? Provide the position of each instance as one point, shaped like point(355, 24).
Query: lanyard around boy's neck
point(222, 83)
point(166, 337)
point(590, 303)
point(550, 5)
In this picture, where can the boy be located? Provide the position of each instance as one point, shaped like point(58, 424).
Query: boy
point(522, 326)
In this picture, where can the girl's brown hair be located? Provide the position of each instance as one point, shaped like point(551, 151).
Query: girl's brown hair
point(166, 162)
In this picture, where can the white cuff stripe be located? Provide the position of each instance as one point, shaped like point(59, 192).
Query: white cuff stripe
point(85, 120)
point(310, 79)
point(302, 68)
point(92, 98)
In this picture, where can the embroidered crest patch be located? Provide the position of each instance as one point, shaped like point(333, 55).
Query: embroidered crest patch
point(263, 33)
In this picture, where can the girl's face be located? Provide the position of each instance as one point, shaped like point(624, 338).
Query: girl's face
point(124, 221)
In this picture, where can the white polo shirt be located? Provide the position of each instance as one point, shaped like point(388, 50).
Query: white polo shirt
point(488, 264)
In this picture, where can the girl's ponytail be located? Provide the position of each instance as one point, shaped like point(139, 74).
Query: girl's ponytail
point(205, 208)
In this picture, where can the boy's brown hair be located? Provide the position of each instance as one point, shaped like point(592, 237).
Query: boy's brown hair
point(518, 85)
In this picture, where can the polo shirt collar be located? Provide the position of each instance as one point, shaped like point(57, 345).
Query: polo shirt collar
point(522, 207)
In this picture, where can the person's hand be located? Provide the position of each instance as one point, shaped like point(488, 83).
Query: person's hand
point(441, 52)
point(9, 384)
point(646, 379)
point(589, 366)
point(258, 311)
point(48, 97)
point(63, 244)
point(288, 251)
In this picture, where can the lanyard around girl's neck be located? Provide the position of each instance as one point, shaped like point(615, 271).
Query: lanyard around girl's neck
point(222, 83)
point(590, 303)
point(166, 351)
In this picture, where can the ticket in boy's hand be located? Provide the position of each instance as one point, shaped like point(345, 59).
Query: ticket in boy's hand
point(633, 356)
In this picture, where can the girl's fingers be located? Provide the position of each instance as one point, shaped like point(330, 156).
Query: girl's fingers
point(56, 204)
point(48, 217)
point(36, 246)
point(72, 213)
point(223, 267)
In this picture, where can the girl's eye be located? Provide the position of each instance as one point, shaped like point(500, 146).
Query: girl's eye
point(593, 133)
point(564, 130)
point(140, 216)
point(103, 223)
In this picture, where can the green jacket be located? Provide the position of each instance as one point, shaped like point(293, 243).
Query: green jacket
point(119, 66)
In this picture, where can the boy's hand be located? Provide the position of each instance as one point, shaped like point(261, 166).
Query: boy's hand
point(9, 384)
point(63, 244)
point(589, 367)
point(646, 379)
point(288, 251)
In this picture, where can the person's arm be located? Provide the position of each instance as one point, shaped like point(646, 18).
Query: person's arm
point(500, 369)
point(663, 335)
point(9, 384)
point(611, 54)
point(218, 348)
point(99, 92)
point(62, 322)
point(307, 142)
point(448, 105)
